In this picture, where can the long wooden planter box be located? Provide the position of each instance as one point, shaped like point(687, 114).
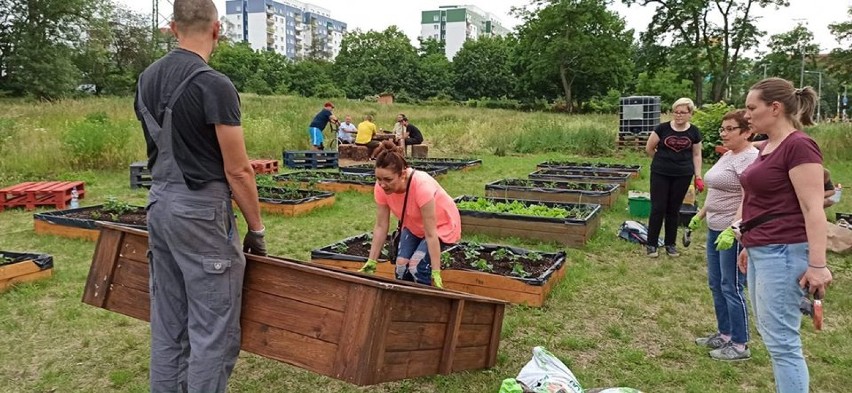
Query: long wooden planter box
point(567, 231)
point(24, 267)
point(56, 223)
point(330, 181)
point(294, 207)
point(369, 169)
point(527, 291)
point(632, 170)
point(463, 164)
point(356, 328)
point(579, 175)
point(554, 191)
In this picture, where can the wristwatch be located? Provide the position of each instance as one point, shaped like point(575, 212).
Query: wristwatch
point(261, 232)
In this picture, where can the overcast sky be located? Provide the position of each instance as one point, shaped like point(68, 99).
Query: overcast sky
point(379, 14)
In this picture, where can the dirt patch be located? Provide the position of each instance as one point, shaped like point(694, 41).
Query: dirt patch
point(499, 260)
point(135, 217)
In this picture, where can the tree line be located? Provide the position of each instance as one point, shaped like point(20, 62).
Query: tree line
point(567, 55)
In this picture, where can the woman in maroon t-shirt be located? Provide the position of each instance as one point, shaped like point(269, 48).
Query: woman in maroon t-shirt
point(783, 224)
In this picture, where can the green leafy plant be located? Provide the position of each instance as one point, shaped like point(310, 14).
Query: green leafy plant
point(446, 260)
point(471, 253)
point(339, 248)
point(502, 254)
point(518, 270)
point(482, 265)
point(116, 208)
point(534, 256)
point(523, 209)
point(708, 119)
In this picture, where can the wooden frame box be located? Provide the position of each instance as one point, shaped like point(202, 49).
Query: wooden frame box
point(310, 201)
point(567, 231)
point(463, 164)
point(329, 181)
point(57, 223)
point(633, 170)
point(344, 325)
point(370, 169)
point(16, 267)
point(604, 194)
point(580, 175)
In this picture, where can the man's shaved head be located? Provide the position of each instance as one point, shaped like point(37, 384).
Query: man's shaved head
point(192, 16)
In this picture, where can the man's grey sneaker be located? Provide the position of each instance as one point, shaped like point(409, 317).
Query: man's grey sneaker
point(713, 342)
point(652, 251)
point(730, 353)
point(672, 251)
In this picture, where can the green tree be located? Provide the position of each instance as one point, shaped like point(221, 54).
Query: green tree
point(483, 68)
point(435, 76)
point(840, 59)
point(375, 62)
point(308, 77)
point(665, 83)
point(238, 61)
point(787, 51)
point(578, 46)
point(430, 46)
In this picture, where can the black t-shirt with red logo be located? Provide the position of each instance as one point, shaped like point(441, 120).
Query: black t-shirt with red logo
point(674, 152)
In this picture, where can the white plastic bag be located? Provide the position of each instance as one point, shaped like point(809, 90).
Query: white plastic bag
point(545, 373)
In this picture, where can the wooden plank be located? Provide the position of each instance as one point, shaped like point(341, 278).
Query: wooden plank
point(494, 342)
point(452, 337)
point(39, 275)
point(413, 308)
point(354, 360)
point(410, 364)
point(130, 273)
point(301, 351)
point(603, 200)
point(565, 239)
point(380, 321)
point(470, 335)
point(538, 226)
point(470, 358)
point(49, 228)
point(410, 336)
point(385, 270)
point(488, 280)
point(298, 285)
point(135, 248)
point(102, 268)
point(477, 314)
point(527, 299)
point(293, 316)
point(129, 301)
point(18, 269)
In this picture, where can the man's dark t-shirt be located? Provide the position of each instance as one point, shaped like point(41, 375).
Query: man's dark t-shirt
point(321, 119)
point(208, 100)
point(674, 152)
point(415, 137)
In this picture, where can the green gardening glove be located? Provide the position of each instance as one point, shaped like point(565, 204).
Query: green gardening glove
point(436, 279)
point(725, 240)
point(369, 267)
point(695, 222)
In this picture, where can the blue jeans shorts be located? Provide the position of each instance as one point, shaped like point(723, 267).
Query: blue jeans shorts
point(416, 251)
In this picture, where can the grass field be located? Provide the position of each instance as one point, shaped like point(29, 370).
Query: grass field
point(617, 319)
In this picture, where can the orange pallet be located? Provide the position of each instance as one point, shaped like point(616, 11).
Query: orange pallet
point(46, 193)
point(264, 166)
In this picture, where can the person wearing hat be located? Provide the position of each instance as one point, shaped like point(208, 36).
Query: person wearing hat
point(318, 124)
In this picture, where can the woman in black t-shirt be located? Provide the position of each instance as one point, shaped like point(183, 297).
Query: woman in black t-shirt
point(675, 148)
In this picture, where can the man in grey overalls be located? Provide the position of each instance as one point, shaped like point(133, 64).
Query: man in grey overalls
point(196, 152)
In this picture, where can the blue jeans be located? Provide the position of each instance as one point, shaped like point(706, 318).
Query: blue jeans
point(414, 250)
point(726, 284)
point(773, 280)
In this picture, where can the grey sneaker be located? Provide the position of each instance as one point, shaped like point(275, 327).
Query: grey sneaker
point(672, 251)
point(652, 251)
point(713, 342)
point(730, 353)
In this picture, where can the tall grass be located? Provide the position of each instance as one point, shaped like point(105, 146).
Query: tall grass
point(835, 140)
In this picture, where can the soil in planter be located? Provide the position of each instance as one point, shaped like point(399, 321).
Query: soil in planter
point(135, 217)
point(500, 261)
point(284, 194)
point(358, 248)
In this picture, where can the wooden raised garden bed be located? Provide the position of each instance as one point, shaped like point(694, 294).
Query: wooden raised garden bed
point(633, 170)
point(566, 223)
point(16, 267)
point(292, 202)
point(356, 328)
point(81, 223)
point(329, 181)
point(369, 169)
point(493, 278)
point(604, 194)
point(462, 164)
point(579, 175)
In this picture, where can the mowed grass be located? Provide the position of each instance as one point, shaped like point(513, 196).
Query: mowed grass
point(617, 318)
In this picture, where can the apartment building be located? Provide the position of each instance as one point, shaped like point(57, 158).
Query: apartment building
point(291, 28)
point(454, 25)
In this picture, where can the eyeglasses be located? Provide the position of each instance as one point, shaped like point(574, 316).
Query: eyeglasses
point(681, 113)
point(728, 129)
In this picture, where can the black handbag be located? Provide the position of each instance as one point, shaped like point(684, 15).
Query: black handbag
point(394, 240)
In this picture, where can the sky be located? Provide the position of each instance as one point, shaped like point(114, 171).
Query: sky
point(379, 14)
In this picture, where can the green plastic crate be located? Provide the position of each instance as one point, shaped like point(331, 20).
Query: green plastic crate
point(639, 204)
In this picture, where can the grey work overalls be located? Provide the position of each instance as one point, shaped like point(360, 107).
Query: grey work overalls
point(196, 271)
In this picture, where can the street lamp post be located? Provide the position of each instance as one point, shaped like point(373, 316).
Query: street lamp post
point(819, 93)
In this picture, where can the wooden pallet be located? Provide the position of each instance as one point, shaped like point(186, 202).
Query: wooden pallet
point(33, 194)
point(140, 176)
point(310, 159)
point(262, 167)
point(637, 143)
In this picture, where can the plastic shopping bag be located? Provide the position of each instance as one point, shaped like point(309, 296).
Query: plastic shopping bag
point(545, 373)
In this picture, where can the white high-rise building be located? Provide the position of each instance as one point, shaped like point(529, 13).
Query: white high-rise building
point(291, 28)
point(453, 25)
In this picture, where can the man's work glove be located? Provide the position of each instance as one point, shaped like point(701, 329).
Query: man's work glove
point(699, 184)
point(695, 222)
point(254, 244)
point(369, 267)
point(725, 239)
point(436, 279)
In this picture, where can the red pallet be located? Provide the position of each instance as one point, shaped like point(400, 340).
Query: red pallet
point(45, 193)
point(264, 166)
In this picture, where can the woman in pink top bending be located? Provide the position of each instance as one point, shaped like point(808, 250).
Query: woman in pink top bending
point(431, 218)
